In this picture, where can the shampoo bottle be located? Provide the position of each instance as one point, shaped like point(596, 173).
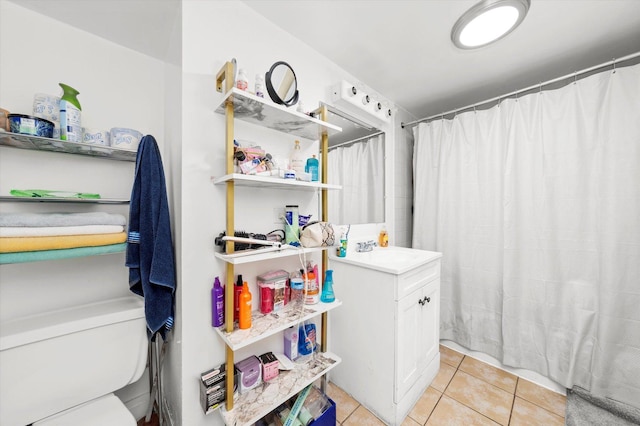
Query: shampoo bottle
point(328, 295)
point(70, 115)
point(217, 302)
point(296, 162)
point(244, 321)
point(237, 289)
point(312, 168)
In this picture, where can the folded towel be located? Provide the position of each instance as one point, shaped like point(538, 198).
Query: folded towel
point(17, 244)
point(150, 248)
point(45, 193)
point(33, 256)
point(48, 231)
point(61, 219)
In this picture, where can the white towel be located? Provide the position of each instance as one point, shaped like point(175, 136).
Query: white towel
point(52, 231)
point(61, 219)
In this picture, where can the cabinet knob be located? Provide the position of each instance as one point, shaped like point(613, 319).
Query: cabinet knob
point(424, 300)
point(428, 299)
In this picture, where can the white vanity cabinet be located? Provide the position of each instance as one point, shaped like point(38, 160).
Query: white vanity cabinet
point(387, 334)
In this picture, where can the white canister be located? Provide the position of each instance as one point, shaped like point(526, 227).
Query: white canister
point(96, 137)
point(46, 106)
point(123, 138)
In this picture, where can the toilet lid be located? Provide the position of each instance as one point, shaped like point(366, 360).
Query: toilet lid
point(107, 410)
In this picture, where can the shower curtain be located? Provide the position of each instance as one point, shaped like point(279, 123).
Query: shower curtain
point(535, 205)
point(359, 168)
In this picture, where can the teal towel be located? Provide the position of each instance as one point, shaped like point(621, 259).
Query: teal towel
point(34, 256)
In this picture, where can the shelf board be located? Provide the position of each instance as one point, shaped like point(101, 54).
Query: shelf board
point(272, 182)
point(261, 111)
point(266, 253)
point(64, 200)
point(251, 406)
point(38, 143)
point(265, 325)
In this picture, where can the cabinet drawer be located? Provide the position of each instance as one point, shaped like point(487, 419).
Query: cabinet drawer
point(416, 278)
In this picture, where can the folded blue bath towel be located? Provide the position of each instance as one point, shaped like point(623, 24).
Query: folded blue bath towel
point(150, 257)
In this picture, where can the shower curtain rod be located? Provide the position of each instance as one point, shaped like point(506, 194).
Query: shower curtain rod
point(356, 140)
point(538, 86)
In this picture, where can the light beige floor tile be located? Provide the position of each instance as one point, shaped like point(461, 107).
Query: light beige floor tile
point(542, 397)
point(527, 414)
point(408, 421)
point(425, 405)
point(497, 377)
point(450, 412)
point(444, 376)
point(345, 404)
point(451, 357)
point(362, 417)
point(482, 397)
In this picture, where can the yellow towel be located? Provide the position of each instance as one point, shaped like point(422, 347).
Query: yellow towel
point(18, 244)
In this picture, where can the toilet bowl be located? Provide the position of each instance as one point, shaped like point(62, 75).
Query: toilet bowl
point(61, 367)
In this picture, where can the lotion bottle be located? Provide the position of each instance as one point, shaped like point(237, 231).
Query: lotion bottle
point(244, 321)
point(312, 168)
point(383, 238)
point(296, 162)
point(217, 302)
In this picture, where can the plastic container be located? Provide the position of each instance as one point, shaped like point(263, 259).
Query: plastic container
point(273, 291)
point(217, 304)
point(292, 227)
point(297, 288)
point(312, 168)
point(70, 115)
point(328, 295)
point(30, 125)
point(312, 292)
point(259, 86)
point(296, 162)
point(306, 339)
point(237, 289)
point(244, 319)
point(242, 82)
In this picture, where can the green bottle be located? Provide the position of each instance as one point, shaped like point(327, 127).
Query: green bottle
point(70, 115)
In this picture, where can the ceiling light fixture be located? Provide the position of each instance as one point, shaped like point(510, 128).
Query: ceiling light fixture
point(488, 21)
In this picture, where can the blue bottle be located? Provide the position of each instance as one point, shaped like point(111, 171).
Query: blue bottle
point(328, 295)
point(312, 167)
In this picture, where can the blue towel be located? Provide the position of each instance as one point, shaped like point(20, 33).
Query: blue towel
point(150, 258)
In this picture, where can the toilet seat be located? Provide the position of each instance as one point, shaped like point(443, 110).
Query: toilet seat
point(107, 410)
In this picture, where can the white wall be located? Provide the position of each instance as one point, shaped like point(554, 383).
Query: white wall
point(118, 88)
point(213, 33)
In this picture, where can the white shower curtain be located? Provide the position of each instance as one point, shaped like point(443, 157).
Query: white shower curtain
point(535, 205)
point(359, 168)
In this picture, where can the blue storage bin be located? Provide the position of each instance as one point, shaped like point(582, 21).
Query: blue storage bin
point(328, 418)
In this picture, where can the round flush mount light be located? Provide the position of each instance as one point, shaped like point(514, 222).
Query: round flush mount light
point(488, 21)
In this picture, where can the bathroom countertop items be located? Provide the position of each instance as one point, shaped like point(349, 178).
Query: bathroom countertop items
point(42, 236)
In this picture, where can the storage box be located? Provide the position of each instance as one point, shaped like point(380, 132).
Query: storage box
point(273, 290)
point(291, 343)
point(328, 418)
point(249, 373)
point(213, 387)
point(269, 366)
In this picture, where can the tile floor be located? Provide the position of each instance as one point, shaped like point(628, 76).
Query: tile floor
point(467, 392)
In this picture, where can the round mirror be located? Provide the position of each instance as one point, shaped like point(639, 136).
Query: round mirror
point(281, 84)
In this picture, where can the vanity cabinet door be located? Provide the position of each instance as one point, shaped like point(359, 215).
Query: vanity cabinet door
point(418, 335)
point(408, 346)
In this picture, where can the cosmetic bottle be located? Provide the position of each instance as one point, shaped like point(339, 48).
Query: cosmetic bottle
point(296, 162)
point(244, 321)
point(328, 295)
point(259, 86)
point(383, 238)
point(217, 304)
point(242, 82)
point(312, 168)
point(237, 289)
point(311, 290)
point(292, 225)
point(342, 248)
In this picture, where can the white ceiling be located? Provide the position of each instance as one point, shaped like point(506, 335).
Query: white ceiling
point(400, 48)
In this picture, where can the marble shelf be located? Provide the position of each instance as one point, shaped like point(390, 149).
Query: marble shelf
point(251, 406)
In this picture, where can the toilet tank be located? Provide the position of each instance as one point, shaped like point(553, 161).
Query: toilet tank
point(53, 361)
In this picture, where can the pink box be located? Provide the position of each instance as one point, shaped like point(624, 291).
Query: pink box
point(269, 366)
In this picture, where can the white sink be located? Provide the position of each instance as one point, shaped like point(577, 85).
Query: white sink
point(392, 259)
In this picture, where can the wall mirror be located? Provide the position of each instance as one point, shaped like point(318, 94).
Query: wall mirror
point(281, 84)
point(355, 161)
